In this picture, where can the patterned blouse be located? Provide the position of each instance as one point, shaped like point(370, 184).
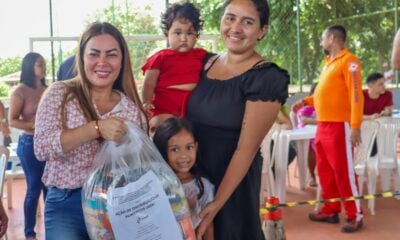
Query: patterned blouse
point(69, 170)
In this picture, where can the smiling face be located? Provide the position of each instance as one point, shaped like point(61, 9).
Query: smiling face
point(102, 61)
point(240, 26)
point(182, 36)
point(182, 153)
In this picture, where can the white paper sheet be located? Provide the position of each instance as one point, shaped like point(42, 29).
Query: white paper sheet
point(141, 211)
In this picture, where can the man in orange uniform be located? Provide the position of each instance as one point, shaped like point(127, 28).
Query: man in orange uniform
point(338, 101)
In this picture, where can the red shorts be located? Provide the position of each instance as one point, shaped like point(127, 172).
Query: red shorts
point(170, 100)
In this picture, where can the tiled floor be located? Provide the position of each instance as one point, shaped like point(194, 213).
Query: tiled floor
point(15, 215)
point(384, 225)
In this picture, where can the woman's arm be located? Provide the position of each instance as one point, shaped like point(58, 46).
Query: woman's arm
point(14, 113)
point(284, 120)
point(110, 129)
point(3, 122)
point(52, 140)
point(3, 220)
point(209, 234)
point(258, 119)
point(308, 120)
point(396, 51)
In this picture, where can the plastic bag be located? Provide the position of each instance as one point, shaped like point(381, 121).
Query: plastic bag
point(120, 167)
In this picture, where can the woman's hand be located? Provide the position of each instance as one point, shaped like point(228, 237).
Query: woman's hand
point(113, 129)
point(147, 106)
point(207, 216)
point(297, 105)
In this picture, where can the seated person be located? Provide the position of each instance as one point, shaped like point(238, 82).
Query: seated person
point(283, 120)
point(305, 116)
point(378, 101)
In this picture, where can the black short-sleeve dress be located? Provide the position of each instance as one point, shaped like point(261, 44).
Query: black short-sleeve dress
point(216, 109)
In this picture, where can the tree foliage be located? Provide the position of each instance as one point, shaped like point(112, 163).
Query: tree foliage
point(131, 21)
point(9, 65)
point(370, 25)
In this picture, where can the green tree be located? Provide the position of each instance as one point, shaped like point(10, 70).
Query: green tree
point(10, 65)
point(131, 21)
point(4, 89)
point(370, 25)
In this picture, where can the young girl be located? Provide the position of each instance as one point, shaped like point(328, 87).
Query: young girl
point(171, 74)
point(175, 141)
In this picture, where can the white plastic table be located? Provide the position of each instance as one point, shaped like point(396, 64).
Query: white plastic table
point(302, 138)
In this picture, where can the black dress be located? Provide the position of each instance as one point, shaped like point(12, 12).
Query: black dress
point(216, 110)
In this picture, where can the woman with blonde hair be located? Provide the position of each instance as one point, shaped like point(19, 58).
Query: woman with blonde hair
point(74, 117)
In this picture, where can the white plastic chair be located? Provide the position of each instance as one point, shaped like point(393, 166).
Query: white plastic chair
point(267, 179)
point(369, 130)
point(385, 163)
point(363, 159)
point(362, 154)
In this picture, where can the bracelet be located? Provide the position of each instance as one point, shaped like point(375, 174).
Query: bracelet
point(96, 126)
point(146, 104)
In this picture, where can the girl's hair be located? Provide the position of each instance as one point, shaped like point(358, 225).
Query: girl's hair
point(28, 69)
point(79, 87)
point(262, 9)
point(166, 131)
point(178, 11)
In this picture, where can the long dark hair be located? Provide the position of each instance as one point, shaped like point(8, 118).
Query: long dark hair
point(168, 129)
point(28, 70)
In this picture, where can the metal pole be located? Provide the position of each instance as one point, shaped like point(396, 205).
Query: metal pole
point(128, 30)
point(166, 7)
point(52, 43)
point(298, 45)
point(113, 12)
point(395, 30)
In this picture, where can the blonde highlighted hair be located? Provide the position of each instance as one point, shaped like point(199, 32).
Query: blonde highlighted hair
point(79, 87)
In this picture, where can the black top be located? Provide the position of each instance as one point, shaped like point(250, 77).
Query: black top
point(216, 109)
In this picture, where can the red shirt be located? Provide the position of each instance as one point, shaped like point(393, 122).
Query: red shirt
point(175, 67)
point(377, 105)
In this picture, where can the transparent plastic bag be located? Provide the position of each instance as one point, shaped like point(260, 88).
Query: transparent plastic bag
point(118, 165)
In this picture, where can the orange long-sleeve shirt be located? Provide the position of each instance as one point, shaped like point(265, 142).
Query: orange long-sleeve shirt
point(338, 96)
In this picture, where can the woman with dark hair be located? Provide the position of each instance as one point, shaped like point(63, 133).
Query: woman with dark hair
point(175, 140)
point(74, 117)
point(23, 105)
point(232, 108)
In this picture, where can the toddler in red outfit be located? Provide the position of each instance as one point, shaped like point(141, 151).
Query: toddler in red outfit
point(171, 74)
